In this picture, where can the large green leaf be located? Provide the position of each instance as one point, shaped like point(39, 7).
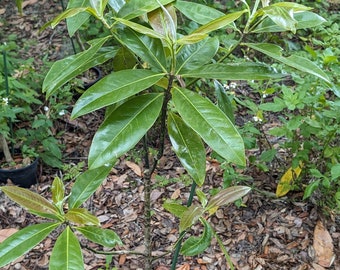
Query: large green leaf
point(149, 49)
point(196, 245)
point(219, 22)
point(136, 8)
point(64, 70)
point(116, 4)
point(81, 216)
point(75, 22)
point(226, 196)
point(199, 13)
point(193, 56)
point(86, 184)
point(304, 20)
point(211, 124)
point(140, 28)
point(190, 216)
point(223, 101)
point(234, 71)
point(294, 61)
point(282, 17)
point(123, 129)
point(114, 88)
point(34, 202)
point(66, 253)
point(58, 192)
point(104, 237)
point(24, 240)
point(174, 208)
point(188, 147)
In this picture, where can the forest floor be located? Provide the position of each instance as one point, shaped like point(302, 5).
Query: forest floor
point(266, 233)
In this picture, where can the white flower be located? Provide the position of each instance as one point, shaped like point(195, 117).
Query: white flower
point(257, 119)
point(233, 85)
point(226, 86)
point(46, 109)
point(5, 101)
point(62, 112)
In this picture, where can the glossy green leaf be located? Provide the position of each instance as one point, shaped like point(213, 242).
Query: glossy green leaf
point(223, 101)
point(75, 22)
point(188, 147)
point(34, 202)
point(58, 191)
point(190, 217)
point(174, 208)
point(64, 70)
point(164, 21)
point(202, 197)
point(226, 196)
point(149, 49)
point(99, 6)
point(66, 253)
point(124, 59)
point(133, 9)
point(310, 189)
point(199, 13)
point(304, 20)
point(282, 17)
point(196, 245)
point(82, 216)
point(24, 240)
point(140, 28)
point(124, 128)
point(291, 5)
point(86, 184)
point(117, 4)
point(113, 88)
point(233, 71)
point(219, 22)
point(294, 61)
point(211, 124)
point(335, 171)
point(104, 237)
point(191, 39)
point(196, 55)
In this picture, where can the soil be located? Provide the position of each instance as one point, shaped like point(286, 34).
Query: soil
point(265, 233)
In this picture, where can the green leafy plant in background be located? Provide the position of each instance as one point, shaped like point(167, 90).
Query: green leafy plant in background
point(157, 86)
point(25, 122)
point(66, 253)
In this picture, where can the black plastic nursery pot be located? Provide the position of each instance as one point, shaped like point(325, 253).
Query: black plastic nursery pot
point(24, 177)
point(98, 74)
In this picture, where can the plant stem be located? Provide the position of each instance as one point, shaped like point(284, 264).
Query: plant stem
point(179, 243)
point(147, 179)
point(224, 250)
point(4, 147)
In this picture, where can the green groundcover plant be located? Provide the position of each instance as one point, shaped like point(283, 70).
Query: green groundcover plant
point(158, 59)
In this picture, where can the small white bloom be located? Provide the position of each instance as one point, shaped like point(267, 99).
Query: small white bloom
point(5, 100)
point(62, 112)
point(46, 109)
point(257, 119)
point(233, 85)
point(226, 86)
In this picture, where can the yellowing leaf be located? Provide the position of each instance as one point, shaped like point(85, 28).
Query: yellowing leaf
point(285, 184)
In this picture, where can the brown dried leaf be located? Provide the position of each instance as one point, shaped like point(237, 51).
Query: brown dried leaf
point(133, 166)
point(5, 233)
point(185, 266)
point(323, 245)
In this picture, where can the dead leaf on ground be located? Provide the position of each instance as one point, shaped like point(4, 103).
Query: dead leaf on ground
point(5, 233)
point(323, 245)
point(185, 266)
point(133, 166)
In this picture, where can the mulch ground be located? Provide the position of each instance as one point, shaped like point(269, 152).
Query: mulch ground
point(265, 233)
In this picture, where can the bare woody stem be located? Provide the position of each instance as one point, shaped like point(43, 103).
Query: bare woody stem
point(147, 178)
